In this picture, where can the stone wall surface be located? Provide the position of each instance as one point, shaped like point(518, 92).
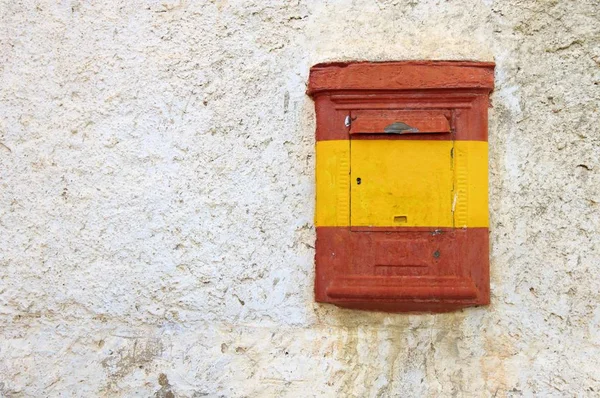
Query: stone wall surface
point(157, 198)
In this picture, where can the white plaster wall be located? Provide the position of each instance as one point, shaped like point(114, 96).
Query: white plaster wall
point(156, 201)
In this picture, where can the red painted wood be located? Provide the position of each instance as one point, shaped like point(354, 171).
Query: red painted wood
point(402, 288)
point(466, 111)
point(330, 121)
point(438, 270)
point(376, 121)
point(400, 76)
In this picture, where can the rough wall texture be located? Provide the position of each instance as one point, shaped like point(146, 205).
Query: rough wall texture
point(156, 201)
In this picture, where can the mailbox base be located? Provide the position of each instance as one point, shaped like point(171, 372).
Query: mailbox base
point(402, 269)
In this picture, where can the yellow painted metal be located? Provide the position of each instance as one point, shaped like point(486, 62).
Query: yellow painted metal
point(333, 189)
point(403, 183)
point(471, 184)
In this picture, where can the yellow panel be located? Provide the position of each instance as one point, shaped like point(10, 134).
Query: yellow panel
point(333, 190)
point(471, 187)
point(408, 183)
point(403, 183)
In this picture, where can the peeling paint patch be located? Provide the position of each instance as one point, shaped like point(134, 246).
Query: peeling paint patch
point(165, 387)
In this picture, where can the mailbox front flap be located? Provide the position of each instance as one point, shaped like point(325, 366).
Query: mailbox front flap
point(401, 183)
point(399, 122)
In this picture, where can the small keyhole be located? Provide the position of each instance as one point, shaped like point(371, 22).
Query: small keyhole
point(358, 181)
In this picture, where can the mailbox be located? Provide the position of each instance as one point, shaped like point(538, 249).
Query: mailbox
point(401, 184)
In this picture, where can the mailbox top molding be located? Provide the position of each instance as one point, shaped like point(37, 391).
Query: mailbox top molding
point(401, 75)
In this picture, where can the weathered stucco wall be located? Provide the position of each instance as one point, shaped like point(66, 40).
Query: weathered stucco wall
point(156, 201)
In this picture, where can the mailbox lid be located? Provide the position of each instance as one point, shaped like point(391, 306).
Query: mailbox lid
point(435, 124)
point(401, 183)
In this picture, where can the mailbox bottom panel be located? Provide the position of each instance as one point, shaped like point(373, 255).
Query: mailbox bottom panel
point(402, 269)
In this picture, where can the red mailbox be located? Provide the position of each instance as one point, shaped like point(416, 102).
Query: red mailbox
point(401, 173)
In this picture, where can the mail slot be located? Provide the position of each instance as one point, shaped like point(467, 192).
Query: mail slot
point(401, 184)
point(398, 122)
